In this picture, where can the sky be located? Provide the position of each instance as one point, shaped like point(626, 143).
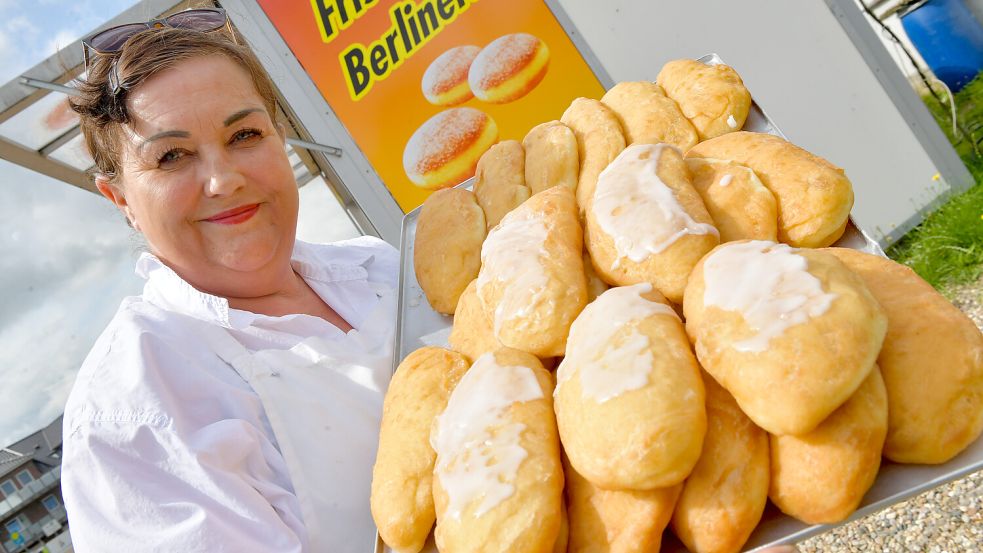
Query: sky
point(67, 255)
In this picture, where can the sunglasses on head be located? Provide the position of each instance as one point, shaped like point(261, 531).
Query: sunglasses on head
point(110, 41)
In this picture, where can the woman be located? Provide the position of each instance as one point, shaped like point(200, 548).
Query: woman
point(234, 405)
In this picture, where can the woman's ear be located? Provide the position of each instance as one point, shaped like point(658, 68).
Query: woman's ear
point(114, 193)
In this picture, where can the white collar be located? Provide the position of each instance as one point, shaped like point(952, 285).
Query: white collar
point(318, 262)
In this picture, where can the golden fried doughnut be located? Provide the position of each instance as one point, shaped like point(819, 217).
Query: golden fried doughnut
point(499, 181)
point(821, 476)
point(932, 363)
point(509, 68)
point(741, 207)
point(629, 398)
point(646, 223)
point(725, 495)
point(599, 141)
point(531, 283)
point(713, 97)
point(498, 481)
point(472, 334)
point(791, 333)
point(551, 157)
point(648, 116)
point(613, 521)
point(447, 247)
point(445, 82)
point(445, 150)
point(401, 498)
point(814, 196)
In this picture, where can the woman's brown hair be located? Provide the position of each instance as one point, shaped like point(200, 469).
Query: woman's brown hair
point(102, 113)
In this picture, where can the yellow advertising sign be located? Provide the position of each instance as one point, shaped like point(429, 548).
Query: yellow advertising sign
point(424, 88)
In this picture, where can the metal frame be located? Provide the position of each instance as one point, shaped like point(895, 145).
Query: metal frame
point(916, 115)
point(49, 76)
point(580, 43)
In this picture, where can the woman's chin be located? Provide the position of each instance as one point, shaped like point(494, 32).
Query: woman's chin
point(252, 256)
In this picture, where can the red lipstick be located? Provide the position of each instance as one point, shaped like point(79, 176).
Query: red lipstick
point(235, 215)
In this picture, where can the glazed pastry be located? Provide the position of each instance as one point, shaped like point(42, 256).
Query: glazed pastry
point(790, 333)
point(821, 476)
point(509, 68)
point(814, 196)
point(472, 334)
point(646, 223)
point(445, 150)
point(499, 181)
point(445, 82)
point(447, 247)
point(599, 141)
point(724, 496)
point(611, 521)
point(401, 499)
point(551, 157)
point(741, 207)
point(498, 482)
point(648, 116)
point(932, 363)
point(712, 97)
point(531, 284)
point(629, 398)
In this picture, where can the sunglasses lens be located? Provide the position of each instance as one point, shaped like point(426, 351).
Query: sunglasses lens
point(197, 20)
point(111, 40)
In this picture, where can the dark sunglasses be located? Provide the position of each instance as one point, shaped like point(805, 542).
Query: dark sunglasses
point(110, 41)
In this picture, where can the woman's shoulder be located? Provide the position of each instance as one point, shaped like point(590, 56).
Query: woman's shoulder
point(132, 369)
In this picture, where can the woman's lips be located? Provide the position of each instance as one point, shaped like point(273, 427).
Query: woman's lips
point(234, 216)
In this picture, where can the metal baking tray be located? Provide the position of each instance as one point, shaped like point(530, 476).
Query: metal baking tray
point(418, 325)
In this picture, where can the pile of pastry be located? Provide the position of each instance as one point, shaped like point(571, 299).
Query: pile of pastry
point(650, 330)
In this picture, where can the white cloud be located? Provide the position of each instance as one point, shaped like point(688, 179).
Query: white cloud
point(68, 260)
point(22, 26)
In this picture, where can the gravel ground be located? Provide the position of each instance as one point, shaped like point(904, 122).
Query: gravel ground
point(948, 519)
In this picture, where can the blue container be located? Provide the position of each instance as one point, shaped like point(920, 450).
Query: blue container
point(949, 39)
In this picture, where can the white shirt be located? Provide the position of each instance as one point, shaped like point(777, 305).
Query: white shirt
point(166, 447)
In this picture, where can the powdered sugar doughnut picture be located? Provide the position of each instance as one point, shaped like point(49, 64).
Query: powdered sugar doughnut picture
point(508, 68)
point(445, 149)
point(445, 82)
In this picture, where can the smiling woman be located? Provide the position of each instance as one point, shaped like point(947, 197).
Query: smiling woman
point(237, 401)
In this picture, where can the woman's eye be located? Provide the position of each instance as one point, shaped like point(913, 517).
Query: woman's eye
point(170, 156)
point(245, 134)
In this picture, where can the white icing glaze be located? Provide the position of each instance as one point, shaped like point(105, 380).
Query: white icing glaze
point(477, 445)
point(607, 368)
point(511, 254)
point(637, 209)
point(731, 122)
point(768, 284)
point(725, 180)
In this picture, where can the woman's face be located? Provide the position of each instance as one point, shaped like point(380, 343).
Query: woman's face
point(205, 178)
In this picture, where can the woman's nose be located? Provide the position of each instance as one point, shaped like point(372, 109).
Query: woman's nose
point(222, 177)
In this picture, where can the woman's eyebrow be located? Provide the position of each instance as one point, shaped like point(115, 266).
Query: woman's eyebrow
point(185, 134)
point(239, 115)
point(165, 134)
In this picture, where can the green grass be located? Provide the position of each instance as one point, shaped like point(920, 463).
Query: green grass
point(946, 249)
